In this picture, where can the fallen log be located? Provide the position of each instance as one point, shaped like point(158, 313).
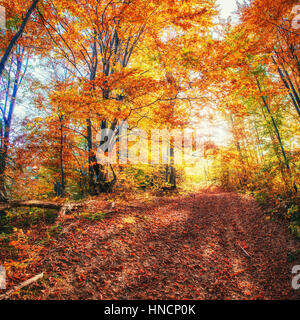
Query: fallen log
point(64, 208)
point(29, 203)
point(20, 286)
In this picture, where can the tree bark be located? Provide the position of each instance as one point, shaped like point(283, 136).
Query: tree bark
point(7, 120)
point(30, 204)
point(40, 204)
point(289, 86)
point(286, 161)
point(275, 127)
point(61, 156)
point(172, 177)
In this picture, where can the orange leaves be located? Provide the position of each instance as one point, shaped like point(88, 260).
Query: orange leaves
point(182, 265)
point(81, 278)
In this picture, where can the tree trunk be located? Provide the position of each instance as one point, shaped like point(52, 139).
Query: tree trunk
point(286, 161)
point(61, 156)
point(289, 86)
point(275, 128)
point(172, 177)
point(7, 127)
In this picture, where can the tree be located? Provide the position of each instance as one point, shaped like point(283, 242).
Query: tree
point(16, 37)
point(10, 87)
point(101, 41)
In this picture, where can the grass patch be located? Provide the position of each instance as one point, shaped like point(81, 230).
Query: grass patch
point(26, 218)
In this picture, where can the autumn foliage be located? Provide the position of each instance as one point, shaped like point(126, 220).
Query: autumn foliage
point(73, 70)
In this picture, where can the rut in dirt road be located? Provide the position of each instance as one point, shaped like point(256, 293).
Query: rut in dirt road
point(184, 247)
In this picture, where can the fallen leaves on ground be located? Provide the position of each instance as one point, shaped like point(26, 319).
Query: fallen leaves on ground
point(180, 247)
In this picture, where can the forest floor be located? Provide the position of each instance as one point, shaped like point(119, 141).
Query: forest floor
point(176, 247)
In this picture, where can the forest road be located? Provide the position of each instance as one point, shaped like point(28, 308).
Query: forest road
point(208, 245)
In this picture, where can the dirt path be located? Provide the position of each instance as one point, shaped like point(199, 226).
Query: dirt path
point(185, 247)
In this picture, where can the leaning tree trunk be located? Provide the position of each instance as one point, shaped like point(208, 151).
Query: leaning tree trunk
point(289, 86)
point(277, 133)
